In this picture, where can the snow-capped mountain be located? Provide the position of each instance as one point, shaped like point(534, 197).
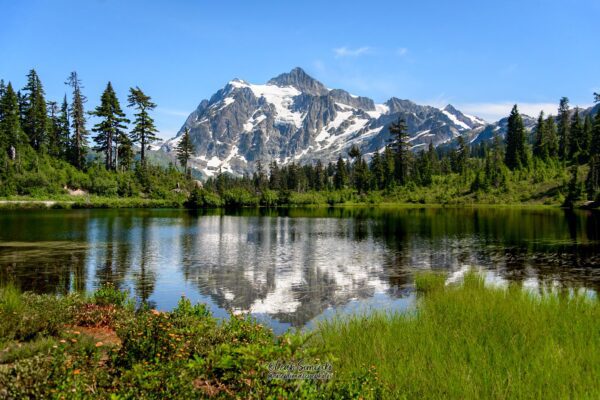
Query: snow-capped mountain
point(295, 118)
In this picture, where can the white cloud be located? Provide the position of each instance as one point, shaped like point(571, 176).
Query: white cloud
point(402, 51)
point(349, 52)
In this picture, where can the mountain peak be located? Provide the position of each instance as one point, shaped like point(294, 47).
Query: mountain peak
point(298, 78)
point(450, 108)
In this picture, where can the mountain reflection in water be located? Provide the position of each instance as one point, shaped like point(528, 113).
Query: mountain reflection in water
point(292, 266)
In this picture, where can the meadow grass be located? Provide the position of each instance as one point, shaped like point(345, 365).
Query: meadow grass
point(473, 341)
point(460, 341)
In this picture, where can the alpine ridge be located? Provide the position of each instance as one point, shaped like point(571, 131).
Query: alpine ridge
point(295, 118)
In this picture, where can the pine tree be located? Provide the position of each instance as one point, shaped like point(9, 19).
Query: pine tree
point(592, 183)
point(64, 133)
point(2, 92)
point(586, 139)
point(516, 155)
point(185, 149)
point(144, 131)
point(551, 141)
point(563, 128)
point(111, 127)
point(540, 149)
point(78, 145)
point(320, 176)
point(125, 153)
point(11, 134)
point(433, 159)
point(593, 178)
point(35, 120)
point(53, 141)
point(460, 156)
point(389, 166)
point(340, 179)
point(575, 136)
point(494, 168)
point(399, 141)
point(274, 176)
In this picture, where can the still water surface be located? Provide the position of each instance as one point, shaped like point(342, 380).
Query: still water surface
point(291, 268)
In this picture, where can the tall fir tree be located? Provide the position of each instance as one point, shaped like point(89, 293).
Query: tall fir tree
point(111, 127)
point(125, 153)
point(595, 139)
point(586, 139)
point(460, 156)
point(78, 145)
point(185, 150)
point(11, 134)
point(540, 149)
point(53, 140)
point(575, 136)
point(64, 133)
point(144, 131)
point(340, 179)
point(516, 154)
point(551, 142)
point(35, 119)
point(399, 141)
point(564, 123)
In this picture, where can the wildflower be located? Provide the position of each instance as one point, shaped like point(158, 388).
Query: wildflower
point(76, 372)
point(99, 344)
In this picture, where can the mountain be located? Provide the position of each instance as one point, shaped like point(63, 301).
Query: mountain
point(295, 118)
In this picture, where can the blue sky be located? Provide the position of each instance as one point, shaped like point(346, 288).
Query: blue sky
point(481, 56)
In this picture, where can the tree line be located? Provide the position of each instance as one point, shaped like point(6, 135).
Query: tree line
point(42, 140)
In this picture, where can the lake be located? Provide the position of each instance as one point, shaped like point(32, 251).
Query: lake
point(293, 267)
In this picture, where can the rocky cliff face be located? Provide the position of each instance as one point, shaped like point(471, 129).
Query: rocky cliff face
point(295, 118)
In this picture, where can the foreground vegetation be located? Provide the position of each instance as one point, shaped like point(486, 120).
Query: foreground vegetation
point(462, 341)
point(474, 342)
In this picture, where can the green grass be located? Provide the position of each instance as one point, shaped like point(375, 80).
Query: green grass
point(464, 341)
point(473, 341)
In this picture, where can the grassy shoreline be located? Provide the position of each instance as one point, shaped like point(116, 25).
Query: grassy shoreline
point(460, 341)
point(17, 203)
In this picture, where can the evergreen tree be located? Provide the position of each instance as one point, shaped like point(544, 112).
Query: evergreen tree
point(2, 92)
point(460, 156)
point(575, 136)
point(78, 145)
point(516, 155)
point(551, 142)
point(320, 178)
point(340, 179)
point(592, 183)
point(540, 149)
point(53, 141)
point(11, 135)
point(35, 122)
point(259, 178)
point(563, 128)
point(399, 141)
point(144, 131)
point(494, 166)
point(389, 166)
point(433, 159)
point(185, 149)
point(274, 176)
point(110, 128)
point(378, 171)
point(64, 133)
point(586, 139)
point(125, 153)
